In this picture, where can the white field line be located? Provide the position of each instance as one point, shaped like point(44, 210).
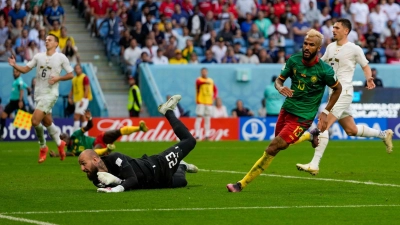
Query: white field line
point(307, 178)
point(200, 209)
point(25, 220)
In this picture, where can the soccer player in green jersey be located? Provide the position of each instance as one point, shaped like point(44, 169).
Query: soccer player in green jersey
point(102, 144)
point(16, 99)
point(309, 77)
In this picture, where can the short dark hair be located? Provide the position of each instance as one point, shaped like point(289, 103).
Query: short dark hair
point(55, 37)
point(274, 78)
point(345, 23)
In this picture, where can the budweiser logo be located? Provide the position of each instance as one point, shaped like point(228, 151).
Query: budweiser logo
point(160, 132)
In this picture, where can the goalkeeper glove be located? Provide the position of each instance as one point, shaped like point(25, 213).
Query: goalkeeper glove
point(107, 178)
point(116, 189)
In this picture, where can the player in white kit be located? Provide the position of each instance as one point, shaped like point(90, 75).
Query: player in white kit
point(48, 68)
point(343, 56)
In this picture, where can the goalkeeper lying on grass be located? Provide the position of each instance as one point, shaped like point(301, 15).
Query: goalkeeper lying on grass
point(102, 144)
point(117, 172)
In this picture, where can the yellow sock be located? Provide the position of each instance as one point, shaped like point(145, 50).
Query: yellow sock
point(101, 151)
point(305, 137)
point(261, 165)
point(129, 130)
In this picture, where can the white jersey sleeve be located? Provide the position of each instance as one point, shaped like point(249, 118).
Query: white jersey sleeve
point(66, 65)
point(360, 57)
point(325, 56)
point(33, 62)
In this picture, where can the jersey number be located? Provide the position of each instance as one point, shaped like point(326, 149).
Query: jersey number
point(172, 159)
point(298, 131)
point(301, 85)
point(44, 73)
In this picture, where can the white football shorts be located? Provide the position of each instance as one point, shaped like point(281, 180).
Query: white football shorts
point(203, 110)
point(81, 109)
point(45, 103)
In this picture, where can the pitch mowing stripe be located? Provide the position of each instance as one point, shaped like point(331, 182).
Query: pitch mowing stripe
point(200, 209)
point(25, 220)
point(307, 178)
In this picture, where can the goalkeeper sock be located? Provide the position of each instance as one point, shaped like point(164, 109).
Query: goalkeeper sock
point(101, 151)
point(261, 165)
point(305, 137)
point(54, 133)
point(364, 131)
point(129, 130)
point(197, 127)
point(40, 135)
point(320, 149)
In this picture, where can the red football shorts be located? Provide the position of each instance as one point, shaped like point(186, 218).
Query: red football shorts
point(290, 127)
point(100, 141)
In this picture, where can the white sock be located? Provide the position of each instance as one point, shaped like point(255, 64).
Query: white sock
point(84, 124)
point(364, 131)
point(40, 135)
point(76, 125)
point(207, 125)
point(320, 149)
point(54, 133)
point(197, 126)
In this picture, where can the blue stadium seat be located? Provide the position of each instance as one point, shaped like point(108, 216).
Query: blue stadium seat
point(243, 49)
point(217, 24)
point(140, 4)
point(199, 51)
point(240, 40)
point(179, 31)
point(266, 43)
point(289, 46)
point(115, 49)
point(201, 58)
point(381, 52)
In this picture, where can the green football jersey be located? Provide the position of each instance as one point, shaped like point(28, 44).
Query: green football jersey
point(80, 142)
point(308, 83)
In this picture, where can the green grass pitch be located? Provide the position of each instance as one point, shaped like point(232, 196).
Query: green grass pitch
point(359, 183)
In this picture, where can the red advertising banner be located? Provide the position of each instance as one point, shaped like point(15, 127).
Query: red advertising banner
point(160, 130)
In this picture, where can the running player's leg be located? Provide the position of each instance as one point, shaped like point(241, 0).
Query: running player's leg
point(351, 129)
point(207, 121)
point(54, 134)
point(197, 125)
point(37, 117)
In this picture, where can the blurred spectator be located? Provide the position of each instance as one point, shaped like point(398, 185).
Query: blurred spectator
point(71, 52)
point(226, 34)
point(134, 99)
point(327, 29)
point(392, 55)
point(378, 20)
point(249, 58)
point(345, 11)
point(153, 7)
point(360, 12)
point(112, 37)
point(219, 110)
point(138, 33)
point(237, 48)
point(147, 26)
point(55, 29)
point(312, 14)
point(353, 36)
point(232, 9)
point(179, 17)
point(34, 31)
point(171, 47)
point(55, 12)
point(264, 7)
point(196, 23)
point(377, 81)
point(209, 58)
point(234, 26)
point(295, 7)
point(246, 24)
point(124, 41)
point(392, 40)
point(372, 55)
point(8, 7)
point(4, 32)
point(178, 59)
point(132, 55)
point(159, 35)
point(262, 112)
point(150, 48)
point(263, 23)
point(371, 37)
point(21, 43)
point(160, 59)
point(274, 100)
point(281, 57)
point(34, 16)
point(300, 29)
point(386, 32)
point(279, 8)
point(287, 17)
point(223, 16)
point(219, 49)
point(324, 15)
point(41, 40)
point(273, 50)
point(31, 51)
point(240, 110)
point(182, 38)
point(212, 40)
point(277, 33)
point(264, 57)
point(230, 56)
point(205, 6)
point(209, 20)
point(305, 5)
point(254, 36)
point(193, 59)
point(391, 9)
point(62, 40)
point(17, 13)
point(6, 51)
point(187, 6)
point(17, 30)
point(167, 8)
point(98, 12)
point(188, 50)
